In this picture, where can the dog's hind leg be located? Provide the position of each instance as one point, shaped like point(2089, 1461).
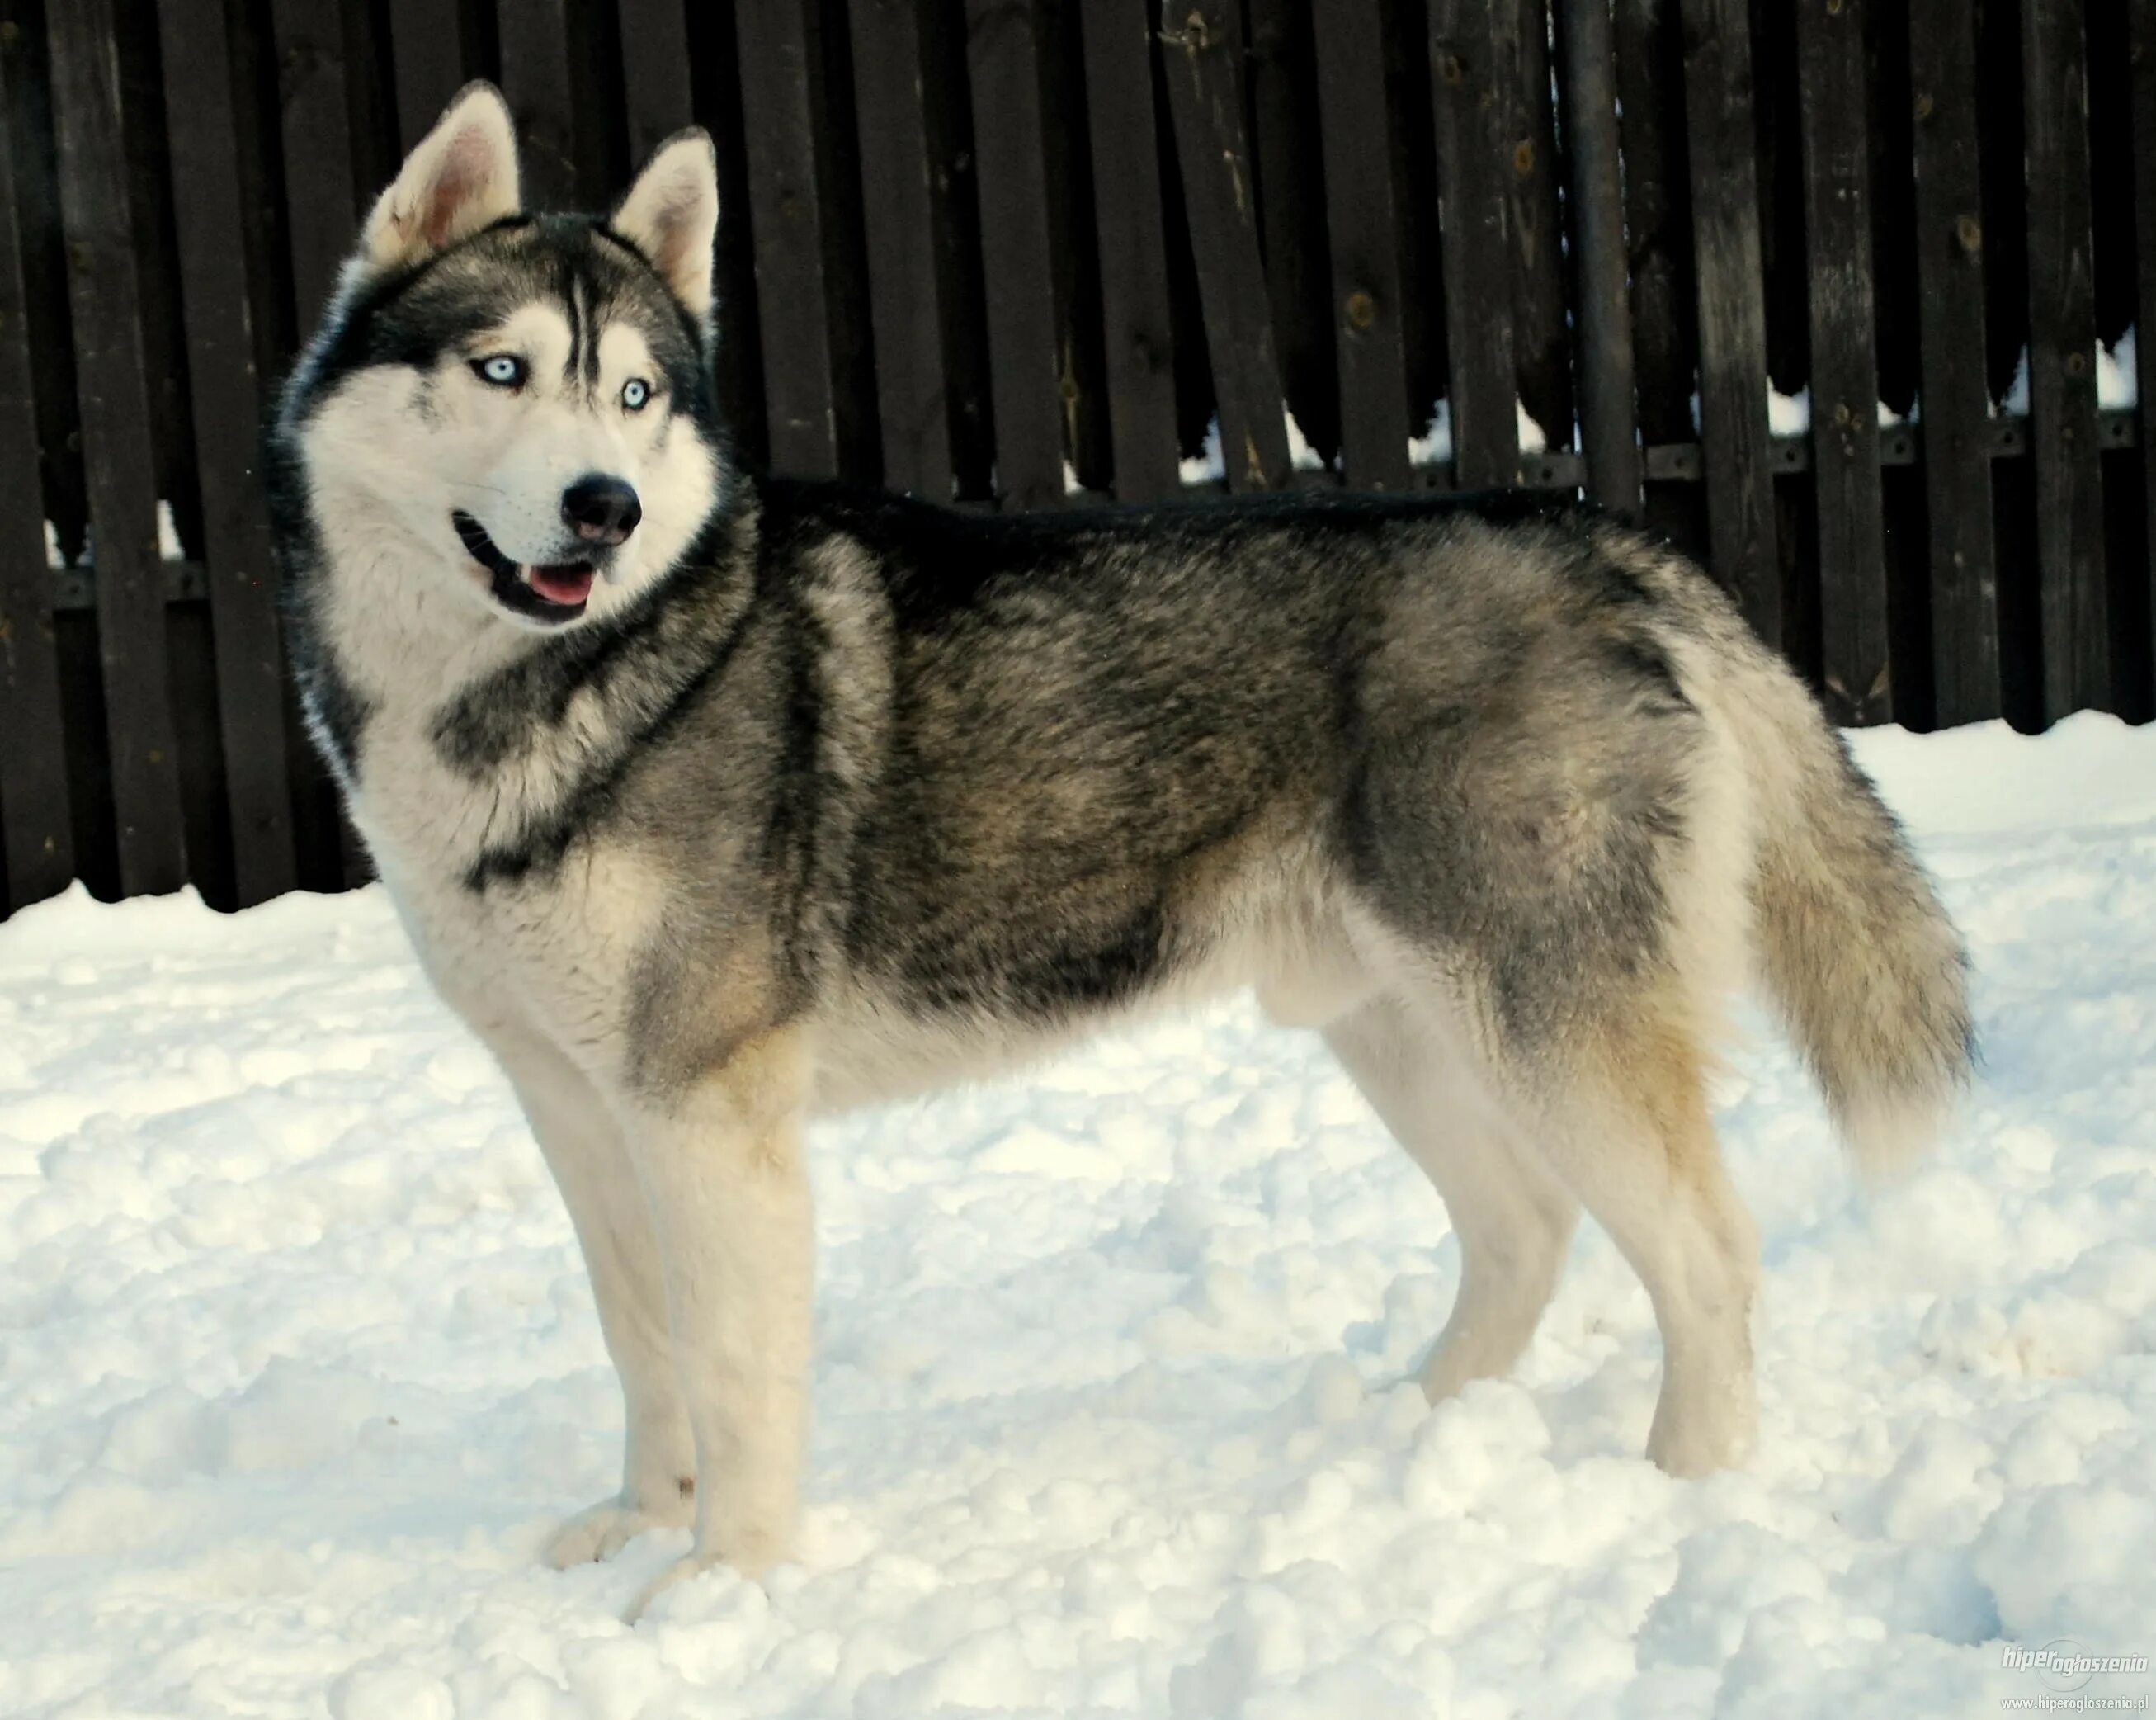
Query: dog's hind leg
point(1512, 1217)
point(583, 1148)
point(1627, 1130)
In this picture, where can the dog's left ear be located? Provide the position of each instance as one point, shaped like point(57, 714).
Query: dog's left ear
point(671, 214)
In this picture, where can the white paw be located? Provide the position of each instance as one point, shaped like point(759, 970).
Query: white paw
point(757, 1553)
point(1689, 1443)
point(682, 1570)
point(603, 1530)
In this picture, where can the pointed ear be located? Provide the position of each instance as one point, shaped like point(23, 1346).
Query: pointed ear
point(671, 214)
point(460, 178)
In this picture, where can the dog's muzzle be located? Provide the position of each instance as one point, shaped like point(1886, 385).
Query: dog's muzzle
point(550, 593)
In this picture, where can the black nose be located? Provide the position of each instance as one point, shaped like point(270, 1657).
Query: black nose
point(601, 510)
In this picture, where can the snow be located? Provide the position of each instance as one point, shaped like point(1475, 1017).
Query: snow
point(2015, 402)
point(169, 547)
point(1301, 454)
point(1208, 466)
point(2117, 383)
point(298, 1364)
point(1433, 447)
point(1791, 415)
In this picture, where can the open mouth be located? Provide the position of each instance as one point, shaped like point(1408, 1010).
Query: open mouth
point(551, 592)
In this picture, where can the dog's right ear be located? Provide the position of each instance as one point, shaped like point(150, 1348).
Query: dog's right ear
point(460, 178)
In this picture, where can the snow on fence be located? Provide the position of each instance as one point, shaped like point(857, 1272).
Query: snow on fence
point(1025, 253)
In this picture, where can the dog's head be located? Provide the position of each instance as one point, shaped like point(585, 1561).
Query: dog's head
point(515, 409)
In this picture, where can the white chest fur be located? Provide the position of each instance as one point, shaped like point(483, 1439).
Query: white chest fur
point(551, 953)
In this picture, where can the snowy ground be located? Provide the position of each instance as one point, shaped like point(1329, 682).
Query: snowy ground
point(297, 1363)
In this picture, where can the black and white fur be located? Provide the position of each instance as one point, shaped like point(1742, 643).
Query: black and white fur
point(725, 800)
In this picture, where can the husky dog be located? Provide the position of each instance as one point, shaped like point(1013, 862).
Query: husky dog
point(715, 802)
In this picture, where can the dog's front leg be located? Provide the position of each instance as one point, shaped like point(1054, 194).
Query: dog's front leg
point(585, 1149)
point(721, 1162)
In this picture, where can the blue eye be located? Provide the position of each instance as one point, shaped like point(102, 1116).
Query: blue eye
point(635, 392)
point(503, 370)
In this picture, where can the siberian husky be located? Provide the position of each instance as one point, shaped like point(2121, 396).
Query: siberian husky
point(715, 802)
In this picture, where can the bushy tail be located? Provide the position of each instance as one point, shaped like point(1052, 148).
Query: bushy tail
point(1869, 973)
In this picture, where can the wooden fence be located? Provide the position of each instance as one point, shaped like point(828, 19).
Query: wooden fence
point(1000, 249)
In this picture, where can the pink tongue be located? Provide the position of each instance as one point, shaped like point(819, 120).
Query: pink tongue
point(566, 584)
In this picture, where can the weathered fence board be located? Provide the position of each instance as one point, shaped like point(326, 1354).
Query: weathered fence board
point(1003, 58)
point(656, 90)
point(2142, 22)
point(1472, 97)
point(535, 81)
point(427, 46)
point(38, 848)
point(1957, 403)
point(319, 195)
point(1587, 49)
point(1529, 166)
point(786, 215)
point(114, 393)
point(1205, 98)
point(1365, 230)
point(1844, 368)
point(912, 402)
point(1138, 337)
point(1733, 314)
point(1285, 147)
point(2061, 362)
point(221, 371)
point(1657, 213)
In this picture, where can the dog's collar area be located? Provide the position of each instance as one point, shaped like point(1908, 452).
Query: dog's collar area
point(551, 594)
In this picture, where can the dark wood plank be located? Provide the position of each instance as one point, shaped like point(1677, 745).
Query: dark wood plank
point(786, 213)
point(1004, 70)
point(320, 202)
point(114, 393)
point(1139, 338)
point(1957, 404)
point(535, 81)
point(26, 108)
point(912, 404)
point(717, 106)
point(36, 843)
point(655, 72)
point(2142, 22)
point(2061, 368)
point(1412, 137)
point(1472, 97)
point(1733, 318)
point(226, 393)
point(1657, 214)
point(1361, 209)
point(1542, 337)
point(1587, 50)
point(1287, 149)
point(1845, 370)
point(1201, 51)
point(426, 46)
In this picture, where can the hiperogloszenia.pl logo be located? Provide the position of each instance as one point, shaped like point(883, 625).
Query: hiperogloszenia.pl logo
point(2065, 1669)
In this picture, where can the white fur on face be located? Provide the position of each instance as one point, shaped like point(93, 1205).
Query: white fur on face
point(406, 450)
